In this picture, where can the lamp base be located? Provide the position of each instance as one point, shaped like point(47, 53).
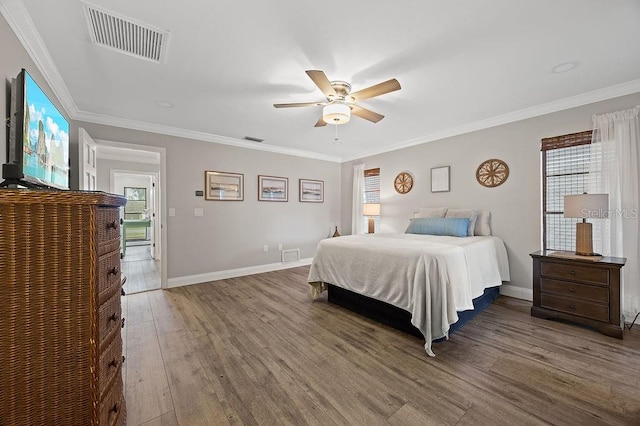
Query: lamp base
point(372, 225)
point(584, 239)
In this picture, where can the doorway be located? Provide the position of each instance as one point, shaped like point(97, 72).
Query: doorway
point(138, 173)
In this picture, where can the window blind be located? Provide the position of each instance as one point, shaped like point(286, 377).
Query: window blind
point(566, 170)
point(372, 192)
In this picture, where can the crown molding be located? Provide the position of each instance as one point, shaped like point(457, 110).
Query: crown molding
point(610, 92)
point(195, 135)
point(20, 22)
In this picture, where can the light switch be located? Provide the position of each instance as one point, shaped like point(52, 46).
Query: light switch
point(172, 212)
point(199, 212)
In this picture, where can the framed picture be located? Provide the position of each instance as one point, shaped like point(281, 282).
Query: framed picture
point(440, 179)
point(273, 188)
point(223, 186)
point(311, 191)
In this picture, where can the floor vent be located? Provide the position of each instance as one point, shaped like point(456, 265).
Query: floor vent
point(126, 35)
point(290, 255)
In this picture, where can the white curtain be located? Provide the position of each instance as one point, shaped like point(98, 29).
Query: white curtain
point(615, 157)
point(357, 221)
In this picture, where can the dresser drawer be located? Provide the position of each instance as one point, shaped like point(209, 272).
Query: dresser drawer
point(575, 273)
point(107, 224)
point(110, 366)
point(109, 319)
point(108, 275)
point(112, 408)
point(574, 306)
point(570, 289)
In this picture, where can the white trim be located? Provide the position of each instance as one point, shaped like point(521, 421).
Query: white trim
point(610, 92)
point(23, 27)
point(233, 273)
point(517, 292)
point(161, 192)
point(200, 136)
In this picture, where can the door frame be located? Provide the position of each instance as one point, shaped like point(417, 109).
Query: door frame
point(161, 199)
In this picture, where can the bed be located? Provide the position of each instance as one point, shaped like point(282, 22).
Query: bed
point(431, 277)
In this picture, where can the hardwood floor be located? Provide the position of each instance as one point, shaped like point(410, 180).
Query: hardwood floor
point(256, 350)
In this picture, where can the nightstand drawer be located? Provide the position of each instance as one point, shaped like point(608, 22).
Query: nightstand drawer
point(575, 273)
point(575, 307)
point(569, 289)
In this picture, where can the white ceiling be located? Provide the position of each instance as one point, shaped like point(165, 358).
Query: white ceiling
point(463, 65)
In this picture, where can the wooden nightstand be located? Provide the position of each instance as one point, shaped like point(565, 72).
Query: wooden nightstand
point(583, 291)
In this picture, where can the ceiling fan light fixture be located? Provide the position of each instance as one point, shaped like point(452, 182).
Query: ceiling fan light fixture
point(336, 113)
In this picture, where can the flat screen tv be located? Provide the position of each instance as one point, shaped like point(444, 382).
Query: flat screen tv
point(38, 146)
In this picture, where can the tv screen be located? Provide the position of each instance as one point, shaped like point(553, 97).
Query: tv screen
point(38, 148)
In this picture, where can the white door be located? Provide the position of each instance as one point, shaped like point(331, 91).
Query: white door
point(87, 155)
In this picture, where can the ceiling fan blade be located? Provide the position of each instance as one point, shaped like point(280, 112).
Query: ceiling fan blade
point(298, 104)
point(323, 83)
point(320, 123)
point(376, 90)
point(366, 113)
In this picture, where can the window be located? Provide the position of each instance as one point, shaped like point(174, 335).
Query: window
point(372, 193)
point(565, 171)
point(136, 208)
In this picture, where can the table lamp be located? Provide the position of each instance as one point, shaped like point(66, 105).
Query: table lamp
point(371, 209)
point(585, 206)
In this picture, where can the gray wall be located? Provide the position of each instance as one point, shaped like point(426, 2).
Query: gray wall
point(231, 234)
point(515, 205)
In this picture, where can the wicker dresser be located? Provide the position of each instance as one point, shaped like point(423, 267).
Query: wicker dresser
point(60, 341)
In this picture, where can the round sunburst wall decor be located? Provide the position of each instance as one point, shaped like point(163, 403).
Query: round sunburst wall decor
point(492, 173)
point(403, 182)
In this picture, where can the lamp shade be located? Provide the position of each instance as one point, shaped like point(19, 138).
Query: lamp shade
point(371, 209)
point(586, 206)
point(336, 113)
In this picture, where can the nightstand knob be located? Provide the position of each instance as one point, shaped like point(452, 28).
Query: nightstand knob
point(572, 272)
point(572, 290)
point(572, 306)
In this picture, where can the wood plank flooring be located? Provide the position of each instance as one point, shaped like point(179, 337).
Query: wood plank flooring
point(141, 270)
point(256, 350)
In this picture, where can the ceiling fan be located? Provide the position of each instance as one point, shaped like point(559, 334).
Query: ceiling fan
point(341, 103)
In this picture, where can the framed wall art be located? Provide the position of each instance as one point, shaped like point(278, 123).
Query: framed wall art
point(311, 191)
point(273, 188)
point(440, 179)
point(223, 186)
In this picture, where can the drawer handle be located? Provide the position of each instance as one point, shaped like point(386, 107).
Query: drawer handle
point(113, 271)
point(113, 317)
point(572, 307)
point(123, 358)
point(113, 363)
point(572, 290)
point(122, 326)
point(112, 225)
point(115, 408)
point(572, 272)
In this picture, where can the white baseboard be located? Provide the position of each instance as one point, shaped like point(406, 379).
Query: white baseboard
point(233, 273)
point(517, 292)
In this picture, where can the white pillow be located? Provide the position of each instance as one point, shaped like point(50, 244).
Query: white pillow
point(483, 226)
point(432, 212)
point(472, 215)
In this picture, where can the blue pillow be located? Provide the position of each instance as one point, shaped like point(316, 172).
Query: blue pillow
point(454, 227)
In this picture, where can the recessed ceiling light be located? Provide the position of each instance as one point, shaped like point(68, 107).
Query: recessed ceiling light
point(565, 67)
point(164, 104)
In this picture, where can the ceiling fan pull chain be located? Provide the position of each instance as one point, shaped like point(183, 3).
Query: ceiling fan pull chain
point(336, 138)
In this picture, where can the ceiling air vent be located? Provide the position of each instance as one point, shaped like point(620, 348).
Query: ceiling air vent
point(126, 35)
point(252, 139)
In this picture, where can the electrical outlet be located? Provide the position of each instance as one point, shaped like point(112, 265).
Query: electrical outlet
point(265, 248)
point(280, 247)
point(172, 212)
point(199, 212)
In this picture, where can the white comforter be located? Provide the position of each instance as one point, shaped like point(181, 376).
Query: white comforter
point(429, 276)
